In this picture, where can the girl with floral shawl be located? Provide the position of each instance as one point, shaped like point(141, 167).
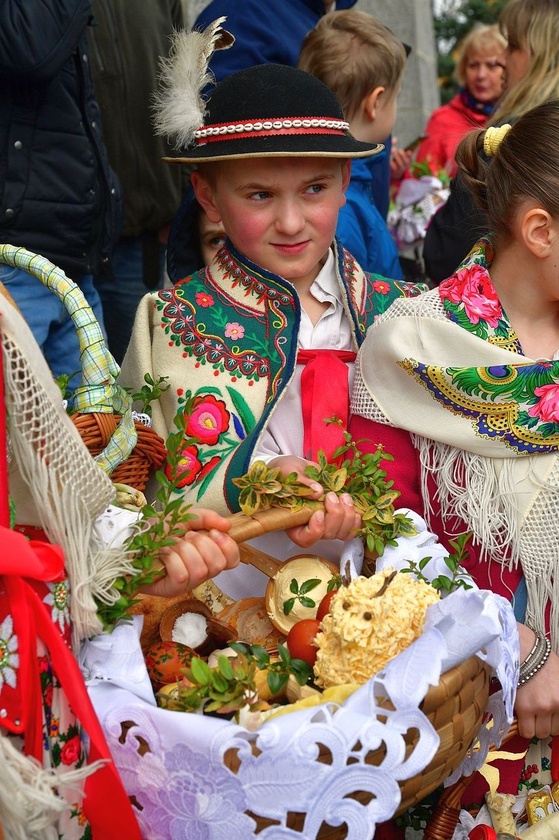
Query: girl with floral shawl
point(461, 385)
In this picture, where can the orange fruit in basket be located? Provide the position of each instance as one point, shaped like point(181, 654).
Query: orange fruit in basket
point(164, 661)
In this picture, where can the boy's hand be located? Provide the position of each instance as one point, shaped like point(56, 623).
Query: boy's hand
point(203, 552)
point(339, 520)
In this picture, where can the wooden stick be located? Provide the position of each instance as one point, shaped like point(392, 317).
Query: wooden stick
point(266, 521)
point(260, 523)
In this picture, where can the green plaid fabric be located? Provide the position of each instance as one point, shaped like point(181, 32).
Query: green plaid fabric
point(99, 391)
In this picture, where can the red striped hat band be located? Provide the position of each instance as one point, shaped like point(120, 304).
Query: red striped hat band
point(266, 128)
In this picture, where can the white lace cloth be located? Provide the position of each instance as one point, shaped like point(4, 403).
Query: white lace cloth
point(185, 789)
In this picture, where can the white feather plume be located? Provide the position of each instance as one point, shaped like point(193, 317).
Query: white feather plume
point(178, 105)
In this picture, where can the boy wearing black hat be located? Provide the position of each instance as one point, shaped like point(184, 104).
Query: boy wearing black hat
point(259, 345)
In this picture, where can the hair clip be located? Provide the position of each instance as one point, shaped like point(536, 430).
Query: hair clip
point(493, 138)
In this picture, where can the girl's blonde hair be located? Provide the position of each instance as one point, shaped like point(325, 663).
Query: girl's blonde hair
point(524, 166)
point(482, 40)
point(533, 24)
point(353, 53)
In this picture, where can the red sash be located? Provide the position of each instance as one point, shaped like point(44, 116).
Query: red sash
point(106, 804)
point(324, 394)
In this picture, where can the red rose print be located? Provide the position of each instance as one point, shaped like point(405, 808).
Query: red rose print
point(71, 751)
point(547, 408)
point(208, 419)
point(473, 288)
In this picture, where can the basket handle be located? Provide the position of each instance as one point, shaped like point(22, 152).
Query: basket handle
point(99, 391)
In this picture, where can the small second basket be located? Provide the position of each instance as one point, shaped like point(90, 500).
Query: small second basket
point(125, 448)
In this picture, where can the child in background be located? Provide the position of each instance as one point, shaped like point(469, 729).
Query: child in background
point(273, 161)
point(362, 62)
point(193, 239)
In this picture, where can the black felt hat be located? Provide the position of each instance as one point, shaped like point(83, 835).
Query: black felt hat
point(273, 110)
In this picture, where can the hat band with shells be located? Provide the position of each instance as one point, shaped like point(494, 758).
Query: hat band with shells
point(270, 128)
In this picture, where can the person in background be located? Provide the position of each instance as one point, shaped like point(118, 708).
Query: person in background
point(480, 74)
point(59, 197)
point(193, 240)
point(362, 62)
point(127, 42)
point(531, 28)
point(270, 34)
point(461, 386)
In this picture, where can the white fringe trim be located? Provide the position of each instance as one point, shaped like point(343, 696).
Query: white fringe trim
point(30, 797)
point(469, 487)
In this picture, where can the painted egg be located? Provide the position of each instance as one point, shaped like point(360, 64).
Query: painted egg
point(164, 660)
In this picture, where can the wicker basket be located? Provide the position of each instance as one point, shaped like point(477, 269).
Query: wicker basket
point(455, 707)
point(447, 811)
point(147, 456)
point(126, 449)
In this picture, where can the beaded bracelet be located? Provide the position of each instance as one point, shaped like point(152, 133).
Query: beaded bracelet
point(537, 644)
point(535, 660)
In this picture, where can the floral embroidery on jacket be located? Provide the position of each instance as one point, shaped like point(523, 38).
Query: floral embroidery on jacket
point(211, 433)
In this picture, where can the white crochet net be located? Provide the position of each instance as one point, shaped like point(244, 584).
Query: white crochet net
point(53, 479)
point(427, 304)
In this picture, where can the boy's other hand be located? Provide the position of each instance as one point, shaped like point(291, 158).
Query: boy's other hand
point(203, 552)
point(339, 520)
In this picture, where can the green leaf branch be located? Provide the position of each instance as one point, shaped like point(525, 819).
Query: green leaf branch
point(224, 689)
point(232, 684)
point(278, 671)
point(161, 524)
point(454, 562)
point(350, 471)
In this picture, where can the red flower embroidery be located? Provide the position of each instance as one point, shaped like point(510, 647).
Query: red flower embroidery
point(208, 467)
point(381, 287)
point(204, 299)
point(208, 419)
point(71, 751)
point(187, 468)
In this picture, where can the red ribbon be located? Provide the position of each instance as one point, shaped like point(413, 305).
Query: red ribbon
point(106, 804)
point(324, 394)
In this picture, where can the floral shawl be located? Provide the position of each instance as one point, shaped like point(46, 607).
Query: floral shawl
point(448, 368)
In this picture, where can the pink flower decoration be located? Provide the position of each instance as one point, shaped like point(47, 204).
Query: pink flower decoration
point(473, 288)
point(204, 299)
point(234, 330)
point(547, 409)
point(208, 419)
